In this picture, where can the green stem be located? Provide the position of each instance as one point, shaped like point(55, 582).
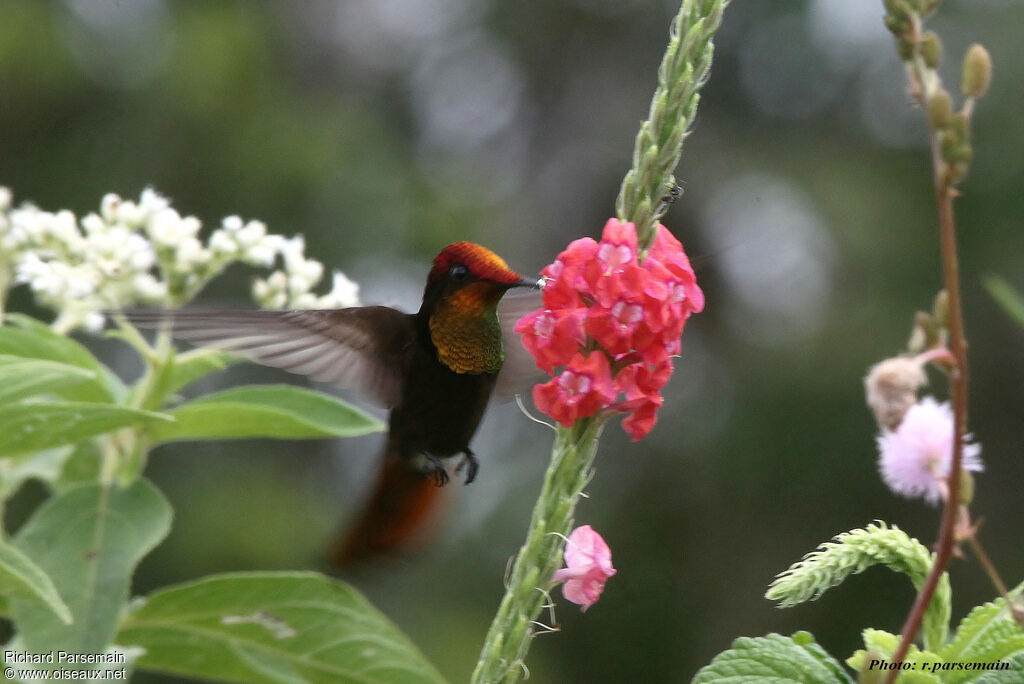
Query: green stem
point(540, 556)
point(683, 71)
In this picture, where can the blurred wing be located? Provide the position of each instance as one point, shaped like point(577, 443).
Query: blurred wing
point(362, 349)
point(519, 373)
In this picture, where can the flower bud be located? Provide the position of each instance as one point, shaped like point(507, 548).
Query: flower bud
point(891, 389)
point(960, 126)
point(940, 308)
point(966, 488)
point(931, 49)
point(977, 73)
point(940, 109)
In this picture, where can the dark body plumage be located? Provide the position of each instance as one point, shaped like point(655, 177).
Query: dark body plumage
point(435, 370)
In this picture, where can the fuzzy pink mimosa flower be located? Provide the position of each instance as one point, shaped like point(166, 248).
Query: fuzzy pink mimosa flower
point(588, 563)
point(916, 457)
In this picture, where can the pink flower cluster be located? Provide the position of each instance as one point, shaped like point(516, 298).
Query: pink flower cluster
point(611, 323)
point(588, 563)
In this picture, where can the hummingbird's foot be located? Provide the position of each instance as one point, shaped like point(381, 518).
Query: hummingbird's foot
point(438, 470)
point(471, 465)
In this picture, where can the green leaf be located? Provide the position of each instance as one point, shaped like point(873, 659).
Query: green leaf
point(774, 658)
point(30, 426)
point(88, 540)
point(988, 634)
point(45, 465)
point(881, 645)
point(196, 365)
point(1006, 296)
point(83, 466)
point(293, 627)
point(21, 578)
point(1014, 674)
point(280, 411)
point(21, 377)
point(32, 339)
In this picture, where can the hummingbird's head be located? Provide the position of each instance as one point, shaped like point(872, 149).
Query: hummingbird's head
point(460, 306)
point(476, 274)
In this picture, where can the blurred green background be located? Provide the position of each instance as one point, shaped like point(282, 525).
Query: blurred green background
point(384, 129)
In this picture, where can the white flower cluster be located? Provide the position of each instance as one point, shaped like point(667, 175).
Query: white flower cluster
point(145, 252)
point(292, 287)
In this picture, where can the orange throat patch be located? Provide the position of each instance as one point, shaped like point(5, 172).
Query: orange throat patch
point(465, 330)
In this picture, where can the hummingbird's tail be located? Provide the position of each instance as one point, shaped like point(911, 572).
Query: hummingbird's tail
point(396, 517)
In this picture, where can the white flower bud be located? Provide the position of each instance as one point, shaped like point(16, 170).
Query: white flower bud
point(148, 288)
point(190, 253)
point(309, 270)
point(93, 321)
point(304, 301)
point(92, 223)
point(151, 202)
point(260, 255)
point(251, 234)
point(221, 242)
point(344, 293)
point(109, 207)
point(278, 281)
point(6, 197)
point(232, 223)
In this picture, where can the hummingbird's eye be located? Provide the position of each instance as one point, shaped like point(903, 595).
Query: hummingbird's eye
point(458, 273)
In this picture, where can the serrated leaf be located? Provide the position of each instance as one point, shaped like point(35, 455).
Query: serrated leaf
point(22, 579)
point(29, 426)
point(21, 377)
point(32, 339)
point(256, 628)
point(279, 411)
point(988, 634)
point(1014, 674)
point(88, 540)
point(881, 645)
point(773, 658)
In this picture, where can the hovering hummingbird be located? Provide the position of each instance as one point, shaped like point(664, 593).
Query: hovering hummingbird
point(435, 370)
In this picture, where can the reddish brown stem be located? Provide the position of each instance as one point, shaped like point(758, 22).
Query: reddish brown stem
point(944, 195)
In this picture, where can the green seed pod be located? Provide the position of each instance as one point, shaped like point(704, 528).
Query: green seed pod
point(931, 49)
point(940, 110)
point(977, 73)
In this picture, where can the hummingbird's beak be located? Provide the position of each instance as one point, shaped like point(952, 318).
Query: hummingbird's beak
point(533, 283)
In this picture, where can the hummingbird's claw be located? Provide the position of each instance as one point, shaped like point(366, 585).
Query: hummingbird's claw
point(440, 474)
point(470, 463)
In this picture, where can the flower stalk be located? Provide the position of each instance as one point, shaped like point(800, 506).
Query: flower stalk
point(951, 155)
point(684, 69)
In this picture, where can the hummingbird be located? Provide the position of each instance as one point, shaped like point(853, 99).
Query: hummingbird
point(435, 370)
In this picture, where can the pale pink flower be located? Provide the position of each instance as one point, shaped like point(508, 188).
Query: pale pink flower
point(915, 459)
point(589, 565)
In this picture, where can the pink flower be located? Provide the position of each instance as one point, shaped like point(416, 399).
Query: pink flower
point(565, 275)
point(642, 385)
point(552, 337)
point(588, 563)
point(581, 390)
point(915, 458)
point(600, 294)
